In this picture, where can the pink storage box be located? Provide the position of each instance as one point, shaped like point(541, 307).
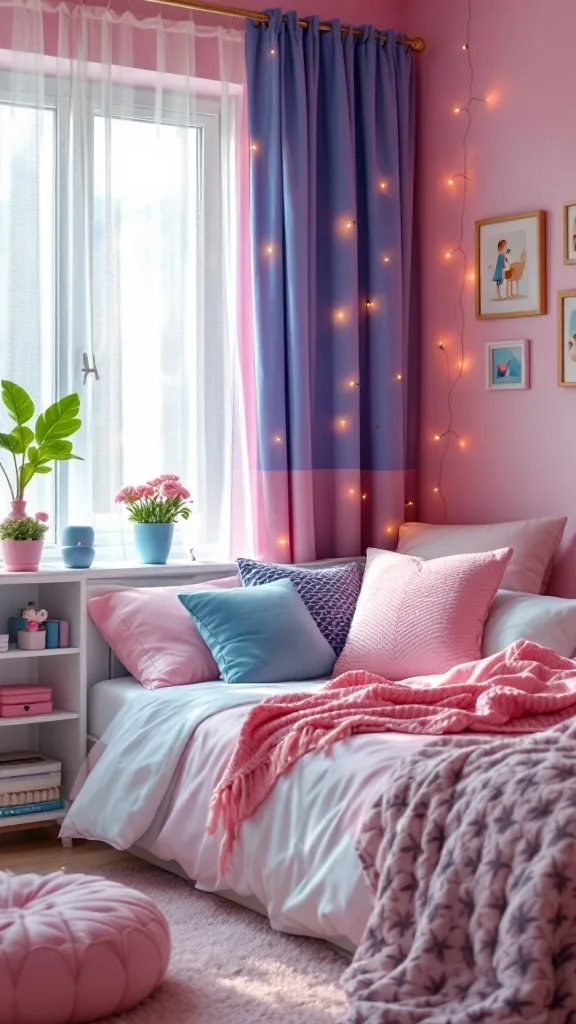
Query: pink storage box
point(17, 701)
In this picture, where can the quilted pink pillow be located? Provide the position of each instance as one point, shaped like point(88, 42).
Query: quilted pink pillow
point(153, 635)
point(418, 618)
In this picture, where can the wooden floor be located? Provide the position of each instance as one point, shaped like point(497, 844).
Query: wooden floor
point(41, 852)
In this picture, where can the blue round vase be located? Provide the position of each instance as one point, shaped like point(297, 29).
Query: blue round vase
point(153, 542)
point(77, 547)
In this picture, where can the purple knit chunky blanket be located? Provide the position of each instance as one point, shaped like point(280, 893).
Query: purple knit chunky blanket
point(471, 856)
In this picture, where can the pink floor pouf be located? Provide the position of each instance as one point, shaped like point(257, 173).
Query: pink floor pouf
point(76, 948)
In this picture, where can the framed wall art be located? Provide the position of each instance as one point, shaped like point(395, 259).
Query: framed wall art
point(567, 339)
point(511, 266)
point(507, 365)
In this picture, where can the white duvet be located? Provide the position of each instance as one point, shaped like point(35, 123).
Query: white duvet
point(153, 783)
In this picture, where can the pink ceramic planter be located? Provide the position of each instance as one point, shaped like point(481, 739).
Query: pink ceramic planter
point(22, 555)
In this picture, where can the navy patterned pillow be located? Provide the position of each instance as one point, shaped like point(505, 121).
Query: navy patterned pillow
point(330, 594)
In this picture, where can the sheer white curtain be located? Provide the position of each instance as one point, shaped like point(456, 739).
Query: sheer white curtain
point(121, 156)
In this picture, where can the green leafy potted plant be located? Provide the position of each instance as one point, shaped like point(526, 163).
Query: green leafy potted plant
point(31, 449)
point(22, 542)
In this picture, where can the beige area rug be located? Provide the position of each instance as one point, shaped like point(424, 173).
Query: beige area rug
point(228, 966)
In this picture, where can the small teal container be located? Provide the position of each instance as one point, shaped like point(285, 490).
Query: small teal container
point(14, 624)
point(153, 542)
point(77, 547)
point(52, 627)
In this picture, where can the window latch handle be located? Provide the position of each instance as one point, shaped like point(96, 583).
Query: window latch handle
point(87, 369)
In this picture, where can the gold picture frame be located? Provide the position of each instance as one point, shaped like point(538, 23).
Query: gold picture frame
point(565, 338)
point(569, 232)
point(511, 266)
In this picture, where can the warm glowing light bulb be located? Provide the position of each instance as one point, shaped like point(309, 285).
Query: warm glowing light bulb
point(398, 376)
point(383, 184)
point(349, 224)
point(277, 439)
point(436, 437)
point(352, 383)
point(351, 492)
point(472, 276)
point(389, 529)
point(369, 304)
point(253, 147)
point(436, 489)
point(409, 504)
point(462, 442)
point(364, 496)
point(283, 542)
point(386, 259)
point(457, 110)
point(441, 345)
point(447, 255)
point(341, 423)
point(464, 46)
point(272, 51)
point(269, 249)
point(450, 181)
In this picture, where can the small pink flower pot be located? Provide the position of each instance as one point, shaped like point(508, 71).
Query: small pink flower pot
point(22, 555)
point(31, 640)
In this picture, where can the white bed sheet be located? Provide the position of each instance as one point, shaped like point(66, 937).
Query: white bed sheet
point(295, 855)
point(107, 698)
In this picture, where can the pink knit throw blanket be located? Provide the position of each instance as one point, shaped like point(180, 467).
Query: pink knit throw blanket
point(520, 690)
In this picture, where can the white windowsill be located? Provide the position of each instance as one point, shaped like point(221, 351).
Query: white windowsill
point(120, 570)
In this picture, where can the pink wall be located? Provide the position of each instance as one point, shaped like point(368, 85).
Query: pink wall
point(383, 13)
point(519, 456)
point(386, 14)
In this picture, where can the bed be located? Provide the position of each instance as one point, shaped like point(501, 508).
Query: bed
point(295, 859)
point(301, 871)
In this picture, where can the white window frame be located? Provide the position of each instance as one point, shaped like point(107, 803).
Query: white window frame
point(113, 544)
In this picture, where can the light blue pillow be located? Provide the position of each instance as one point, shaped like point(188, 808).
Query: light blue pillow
point(260, 634)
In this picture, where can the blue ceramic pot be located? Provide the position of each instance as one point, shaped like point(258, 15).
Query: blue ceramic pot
point(77, 547)
point(153, 542)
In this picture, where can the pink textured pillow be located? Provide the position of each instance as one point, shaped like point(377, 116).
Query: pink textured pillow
point(416, 617)
point(153, 635)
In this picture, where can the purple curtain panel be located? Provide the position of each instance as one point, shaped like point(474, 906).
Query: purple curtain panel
point(331, 124)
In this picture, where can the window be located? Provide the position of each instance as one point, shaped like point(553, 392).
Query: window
point(111, 284)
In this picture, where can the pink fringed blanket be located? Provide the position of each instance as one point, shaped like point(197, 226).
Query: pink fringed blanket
point(471, 857)
point(520, 690)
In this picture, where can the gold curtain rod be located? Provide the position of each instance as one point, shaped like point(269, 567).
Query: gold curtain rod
point(416, 44)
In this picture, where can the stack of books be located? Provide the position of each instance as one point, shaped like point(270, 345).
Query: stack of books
point(29, 784)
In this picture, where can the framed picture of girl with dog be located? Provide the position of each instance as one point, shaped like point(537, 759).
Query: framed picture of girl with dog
point(511, 266)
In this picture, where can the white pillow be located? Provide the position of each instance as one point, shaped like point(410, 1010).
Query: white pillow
point(534, 542)
point(548, 621)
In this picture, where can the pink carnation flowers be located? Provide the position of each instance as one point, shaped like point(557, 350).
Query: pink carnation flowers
point(162, 500)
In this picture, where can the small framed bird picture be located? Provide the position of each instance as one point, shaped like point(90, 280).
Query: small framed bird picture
point(507, 365)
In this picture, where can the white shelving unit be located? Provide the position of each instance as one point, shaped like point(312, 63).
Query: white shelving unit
point(15, 654)
point(70, 671)
point(61, 734)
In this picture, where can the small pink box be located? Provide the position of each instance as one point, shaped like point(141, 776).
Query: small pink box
point(18, 701)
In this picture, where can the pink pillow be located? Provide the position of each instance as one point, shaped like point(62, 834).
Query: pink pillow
point(416, 617)
point(153, 635)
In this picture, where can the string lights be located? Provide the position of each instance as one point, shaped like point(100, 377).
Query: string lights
point(448, 435)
